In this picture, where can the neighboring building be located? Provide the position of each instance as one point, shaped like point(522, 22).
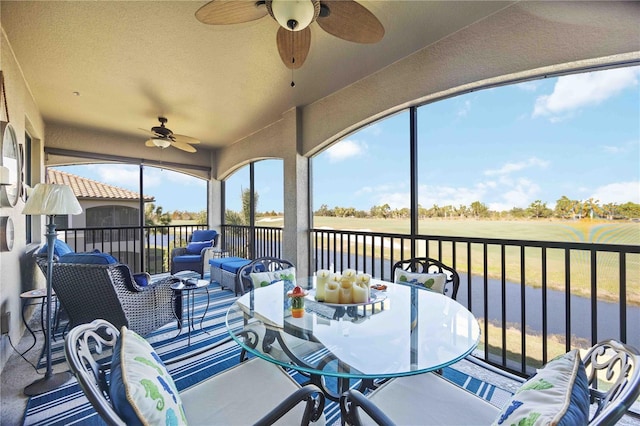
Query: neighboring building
point(103, 206)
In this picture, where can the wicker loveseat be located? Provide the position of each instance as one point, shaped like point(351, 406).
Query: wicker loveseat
point(109, 291)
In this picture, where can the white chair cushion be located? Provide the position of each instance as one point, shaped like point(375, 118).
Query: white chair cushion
point(256, 387)
point(429, 399)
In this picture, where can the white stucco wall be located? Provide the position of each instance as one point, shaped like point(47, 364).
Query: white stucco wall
point(16, 275)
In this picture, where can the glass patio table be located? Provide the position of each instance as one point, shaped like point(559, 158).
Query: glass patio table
point(402, 331)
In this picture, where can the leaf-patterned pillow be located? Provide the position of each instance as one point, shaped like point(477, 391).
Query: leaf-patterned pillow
point(141, 389)
point(434, 282)
point(288, 275)
point(557, 395)
point(263, 279)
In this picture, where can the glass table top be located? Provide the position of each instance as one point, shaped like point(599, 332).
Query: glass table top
point(408, 330)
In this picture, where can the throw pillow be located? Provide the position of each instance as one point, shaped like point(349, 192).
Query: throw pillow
point(288, 275)
point(263, 279)
point(141, 389)
point(60, 248)
point(557, 395)
point(433, 282)
point(142, 279)
point(196, 248)
point(203, 235)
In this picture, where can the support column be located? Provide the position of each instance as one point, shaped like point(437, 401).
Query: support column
point(296, 198)
point(215, 204)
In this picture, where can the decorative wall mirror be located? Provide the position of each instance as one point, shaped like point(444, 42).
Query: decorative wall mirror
point(10, 159)
point(6, 234)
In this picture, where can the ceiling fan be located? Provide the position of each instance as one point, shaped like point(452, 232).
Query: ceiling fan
point(345, 19)
point(163, 137)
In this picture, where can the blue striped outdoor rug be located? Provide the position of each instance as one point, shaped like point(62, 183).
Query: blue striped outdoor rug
point(68, 405)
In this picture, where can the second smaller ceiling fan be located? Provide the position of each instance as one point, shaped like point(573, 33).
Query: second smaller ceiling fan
point(163, 137)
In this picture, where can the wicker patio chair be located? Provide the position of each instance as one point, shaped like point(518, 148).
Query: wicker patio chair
point(90, 291)
point(277, 398)
point(424, 265)
point(193, 257)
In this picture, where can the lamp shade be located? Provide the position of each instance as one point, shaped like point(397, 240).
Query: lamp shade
point(287, 12)
point(52, 199)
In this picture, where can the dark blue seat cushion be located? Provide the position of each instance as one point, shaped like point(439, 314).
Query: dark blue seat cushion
point(60, 248)
point(235, 265)
point(187, 258)
point(88, 258)
point(203, 235)
point(217, 262)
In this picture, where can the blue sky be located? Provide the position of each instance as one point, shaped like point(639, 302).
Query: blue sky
point(576, 135)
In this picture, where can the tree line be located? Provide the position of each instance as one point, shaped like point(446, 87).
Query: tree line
point(565, 208)
point(155, 215)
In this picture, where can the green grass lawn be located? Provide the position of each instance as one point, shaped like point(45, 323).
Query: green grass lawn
point(575, 231)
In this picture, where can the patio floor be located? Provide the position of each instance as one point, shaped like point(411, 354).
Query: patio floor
point(18, 373)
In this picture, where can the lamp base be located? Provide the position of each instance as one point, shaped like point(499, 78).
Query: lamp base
point(47, 384)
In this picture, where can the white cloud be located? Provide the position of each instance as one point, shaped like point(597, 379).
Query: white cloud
point(573, 92)
point(124, 176)
point(620, 192)
point(375, 129)
point(522, 194)
point(620, 149)
point(464, 109)
point(346, 149)
point(509, 168)
point(528, 86)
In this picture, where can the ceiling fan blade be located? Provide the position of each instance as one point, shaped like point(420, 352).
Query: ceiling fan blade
point(293, 46)
point(149, 132)
point(184, 139)
point(351, 21)
point(225, 12)
point(183, 146)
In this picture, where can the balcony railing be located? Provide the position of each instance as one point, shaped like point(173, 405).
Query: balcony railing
point(124, 243)
point(534, 299)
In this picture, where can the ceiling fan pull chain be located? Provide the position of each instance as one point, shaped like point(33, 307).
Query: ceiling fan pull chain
point(293, 60)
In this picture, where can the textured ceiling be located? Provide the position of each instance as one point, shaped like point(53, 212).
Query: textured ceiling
point(132, 61)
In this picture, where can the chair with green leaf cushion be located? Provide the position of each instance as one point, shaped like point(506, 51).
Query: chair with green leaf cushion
point(429, 273)
point(134, 386)
point(263, 265)
point(596, 389)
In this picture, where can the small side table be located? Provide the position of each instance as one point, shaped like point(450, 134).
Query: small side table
point(37, 297)
point(187, 288)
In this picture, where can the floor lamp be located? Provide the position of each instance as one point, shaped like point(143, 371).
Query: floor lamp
point(49, 200)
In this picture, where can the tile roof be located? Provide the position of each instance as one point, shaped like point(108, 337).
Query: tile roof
point(90, 189)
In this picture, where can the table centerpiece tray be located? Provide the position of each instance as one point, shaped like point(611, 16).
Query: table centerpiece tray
point(375, 296)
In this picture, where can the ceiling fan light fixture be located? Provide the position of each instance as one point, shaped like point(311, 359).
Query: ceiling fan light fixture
point(294, 15)
point(161, 143)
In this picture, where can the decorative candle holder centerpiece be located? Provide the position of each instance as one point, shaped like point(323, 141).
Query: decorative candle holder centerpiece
point(347, 287)
point(297, 301)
